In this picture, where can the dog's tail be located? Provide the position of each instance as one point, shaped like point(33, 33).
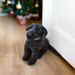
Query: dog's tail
point(53, 50)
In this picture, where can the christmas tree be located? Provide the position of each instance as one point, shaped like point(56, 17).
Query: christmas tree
point(21, 7)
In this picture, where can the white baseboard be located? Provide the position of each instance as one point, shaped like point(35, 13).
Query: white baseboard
point(2, 14)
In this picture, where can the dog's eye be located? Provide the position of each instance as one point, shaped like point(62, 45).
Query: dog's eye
point(39, 32)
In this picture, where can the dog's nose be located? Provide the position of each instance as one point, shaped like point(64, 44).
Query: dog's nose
point(29, 35)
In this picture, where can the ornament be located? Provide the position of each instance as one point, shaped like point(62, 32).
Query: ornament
point(3, 0)
point(8, 1)
point(28, 9)
point(18, 6)
point(32, 3)
point(2, 5)
point(11, 12)
point(7, 4)
point(21, 11)
point(22, 0)
point(13, 2)
point(36, 5)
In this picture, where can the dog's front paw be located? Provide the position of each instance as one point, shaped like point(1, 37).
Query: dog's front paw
point(39, 57)
point(31, 62)
point(25, 58)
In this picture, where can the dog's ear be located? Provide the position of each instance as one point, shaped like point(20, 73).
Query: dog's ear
point(44, 32)
point(30, 26)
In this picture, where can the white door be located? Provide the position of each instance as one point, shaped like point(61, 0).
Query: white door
point(59, 19)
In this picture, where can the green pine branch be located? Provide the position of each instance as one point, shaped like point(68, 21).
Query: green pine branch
point(24, 10)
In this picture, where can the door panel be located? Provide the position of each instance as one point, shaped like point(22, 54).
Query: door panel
point(66, 16)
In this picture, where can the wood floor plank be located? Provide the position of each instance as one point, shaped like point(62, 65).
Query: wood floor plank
point(12, 39)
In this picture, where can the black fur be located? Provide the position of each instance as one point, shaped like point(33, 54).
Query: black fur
point(36, 44)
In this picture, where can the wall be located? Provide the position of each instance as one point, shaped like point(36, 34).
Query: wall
point(0, 5)
point(2, 14)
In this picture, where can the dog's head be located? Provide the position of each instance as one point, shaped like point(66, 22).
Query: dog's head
point(36, 32)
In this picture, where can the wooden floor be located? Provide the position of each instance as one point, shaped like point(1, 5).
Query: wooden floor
point(12, 39)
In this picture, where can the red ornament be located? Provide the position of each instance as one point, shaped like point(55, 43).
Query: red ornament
point(37, 0)
point(22, 0)
point(2, 5)
point(32, 3)
point(11, 12)
point(28, 9)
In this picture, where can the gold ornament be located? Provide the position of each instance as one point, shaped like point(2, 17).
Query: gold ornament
point(18, 6)
point(8, 1)
point(36, 5)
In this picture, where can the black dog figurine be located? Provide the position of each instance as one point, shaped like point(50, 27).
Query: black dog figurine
point(36, 44)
